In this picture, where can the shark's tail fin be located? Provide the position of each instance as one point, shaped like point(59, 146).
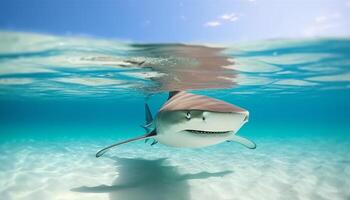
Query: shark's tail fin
point(148, 114)
point(104, 150)
point(149, 119)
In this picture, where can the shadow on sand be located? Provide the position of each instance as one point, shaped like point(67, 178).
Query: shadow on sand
point(148, 180)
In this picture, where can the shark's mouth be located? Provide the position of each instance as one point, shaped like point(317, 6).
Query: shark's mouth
point(206, 132)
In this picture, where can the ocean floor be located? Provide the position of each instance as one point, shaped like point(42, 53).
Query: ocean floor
point(280, 168)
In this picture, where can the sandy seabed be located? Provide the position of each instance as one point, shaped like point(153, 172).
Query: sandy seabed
point(280, 168)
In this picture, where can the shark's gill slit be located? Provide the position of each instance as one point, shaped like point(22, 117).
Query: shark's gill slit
point(246, 118)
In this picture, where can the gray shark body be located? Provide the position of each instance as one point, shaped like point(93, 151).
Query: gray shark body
point(190, 120)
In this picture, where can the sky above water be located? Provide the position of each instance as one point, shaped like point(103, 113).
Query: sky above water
point(221, 21)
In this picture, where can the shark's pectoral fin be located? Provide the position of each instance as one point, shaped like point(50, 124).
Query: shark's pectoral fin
point(104, 150)
point(243, 141)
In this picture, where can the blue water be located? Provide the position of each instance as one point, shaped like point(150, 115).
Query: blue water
point(64, 98)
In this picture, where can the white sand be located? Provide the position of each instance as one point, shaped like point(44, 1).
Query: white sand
point(314, 168)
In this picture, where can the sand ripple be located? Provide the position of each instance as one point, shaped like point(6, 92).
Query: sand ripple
point(312, 168)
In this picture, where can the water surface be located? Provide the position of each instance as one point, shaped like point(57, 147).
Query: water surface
point(63, 98)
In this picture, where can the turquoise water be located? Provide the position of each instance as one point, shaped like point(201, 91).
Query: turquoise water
point(64, 98)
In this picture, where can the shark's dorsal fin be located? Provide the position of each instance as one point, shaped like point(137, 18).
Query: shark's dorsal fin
point(172, 93)
point(104, 150)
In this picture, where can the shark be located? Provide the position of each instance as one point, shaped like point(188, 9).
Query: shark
point(192, 121)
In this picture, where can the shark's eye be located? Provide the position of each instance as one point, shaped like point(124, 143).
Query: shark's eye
point(188, 115)
point(203, 118)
